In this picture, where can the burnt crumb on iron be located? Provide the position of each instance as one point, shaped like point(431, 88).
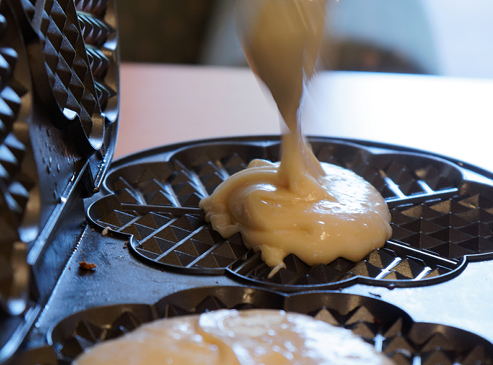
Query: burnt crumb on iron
point(87, 265)
point(375, 294)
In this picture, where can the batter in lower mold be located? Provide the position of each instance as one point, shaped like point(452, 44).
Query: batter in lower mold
point(230, 337)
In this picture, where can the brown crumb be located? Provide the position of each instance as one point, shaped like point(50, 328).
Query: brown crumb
point(87, 265)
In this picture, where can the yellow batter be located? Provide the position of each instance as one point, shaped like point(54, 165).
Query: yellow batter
point(339, 215)
point(230, 337)
point(318, 212)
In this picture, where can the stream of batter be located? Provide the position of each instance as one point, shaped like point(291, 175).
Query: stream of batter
point(317, 211)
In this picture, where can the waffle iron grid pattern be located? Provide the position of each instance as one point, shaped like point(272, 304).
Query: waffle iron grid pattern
point(80, 65)
point(61, 53)
point(17, 178)
point(434, 226)
point(75, 63)
point(451, 228)
point(389, 329)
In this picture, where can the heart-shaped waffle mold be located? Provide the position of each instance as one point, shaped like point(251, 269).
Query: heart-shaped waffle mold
point(440, 220)
point(388, 328)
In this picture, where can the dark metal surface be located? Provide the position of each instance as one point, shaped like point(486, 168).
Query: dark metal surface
point(58, 118)
point(460, 304)
point(58, 124)
point(441, 219)
point(389, 329)
point(383, 325)
point(19, 198)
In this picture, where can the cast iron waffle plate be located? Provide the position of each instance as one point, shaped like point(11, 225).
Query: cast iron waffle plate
point(58, 122)
point(441, 217)
point(388, 328)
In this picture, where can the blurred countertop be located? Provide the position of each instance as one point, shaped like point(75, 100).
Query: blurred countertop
point(163, 104)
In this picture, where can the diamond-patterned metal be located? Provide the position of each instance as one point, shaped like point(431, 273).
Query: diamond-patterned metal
point(383, 325)
point(58, 116)
point(436, 221)
point(78, 80)
point(18, 175)
point(451, 228)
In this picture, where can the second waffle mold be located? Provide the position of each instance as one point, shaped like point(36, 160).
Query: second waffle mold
point(388, 328)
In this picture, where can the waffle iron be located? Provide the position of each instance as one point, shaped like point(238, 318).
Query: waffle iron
point(93, 247)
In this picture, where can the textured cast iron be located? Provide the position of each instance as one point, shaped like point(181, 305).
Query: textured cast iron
point(58, 116)
point(18, 178)
point(388, 328)
point(438, 217)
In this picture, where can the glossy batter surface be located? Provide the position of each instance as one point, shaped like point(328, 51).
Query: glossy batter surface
point(339, 215)
point(230, 337)
point(297, 206)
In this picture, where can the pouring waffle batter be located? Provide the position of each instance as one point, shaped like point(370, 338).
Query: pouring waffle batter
point(318, 212)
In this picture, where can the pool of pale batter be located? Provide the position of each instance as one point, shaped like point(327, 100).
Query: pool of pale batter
point(318, 212)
